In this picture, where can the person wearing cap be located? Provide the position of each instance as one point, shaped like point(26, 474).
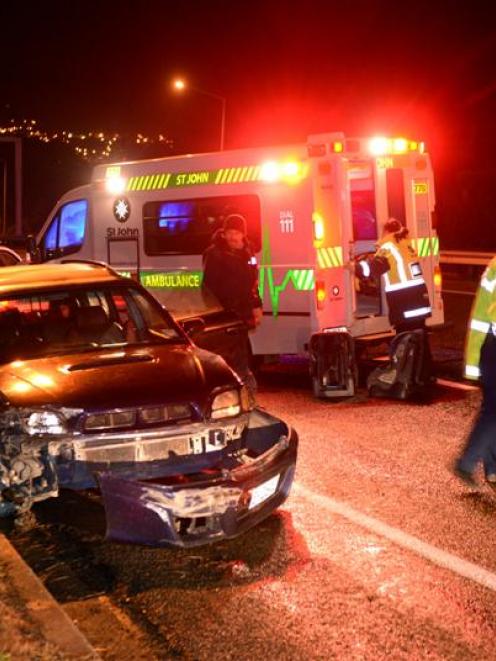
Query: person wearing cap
point(480, 364)
point(230, 272)
point(406, 292)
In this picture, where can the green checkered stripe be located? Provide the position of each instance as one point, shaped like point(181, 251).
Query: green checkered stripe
point(302, 279)
point(330, 257)
point(426, 246)
point(162, 180)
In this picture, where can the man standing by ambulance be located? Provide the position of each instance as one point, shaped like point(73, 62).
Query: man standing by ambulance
point(480, 363)
point(231, 274)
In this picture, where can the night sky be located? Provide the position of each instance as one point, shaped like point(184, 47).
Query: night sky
point(287, 69)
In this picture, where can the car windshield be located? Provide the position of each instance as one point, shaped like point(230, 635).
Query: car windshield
point(65, 321)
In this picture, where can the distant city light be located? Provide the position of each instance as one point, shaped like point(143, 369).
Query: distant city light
point(94, 145)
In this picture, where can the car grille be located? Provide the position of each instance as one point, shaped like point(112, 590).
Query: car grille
point(132, 447)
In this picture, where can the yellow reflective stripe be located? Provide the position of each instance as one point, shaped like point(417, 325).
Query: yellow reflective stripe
point(326, 258)
point(131, 183)
point(141, 182)
point(256, 172)
point(237, 172)
point(230, 175)
point(224, 176)
point(243, 173)
point(330, 257)
point(219, 175)
point(426, 245)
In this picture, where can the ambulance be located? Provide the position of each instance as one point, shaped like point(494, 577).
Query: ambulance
point(311, 209)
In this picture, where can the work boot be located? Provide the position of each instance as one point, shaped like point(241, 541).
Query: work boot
point(464, 475)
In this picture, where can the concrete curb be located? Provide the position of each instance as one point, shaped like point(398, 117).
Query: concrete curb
point(55, 625)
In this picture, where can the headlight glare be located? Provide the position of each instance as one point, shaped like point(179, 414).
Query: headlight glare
point(226, 404)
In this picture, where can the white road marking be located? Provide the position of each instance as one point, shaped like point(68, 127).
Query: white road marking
point(462, 293)
point(432, 553)
point(456, 384)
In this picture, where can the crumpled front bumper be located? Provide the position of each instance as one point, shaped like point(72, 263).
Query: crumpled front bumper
point(219, 502)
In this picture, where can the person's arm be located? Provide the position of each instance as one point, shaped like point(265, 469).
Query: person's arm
point(214, 278)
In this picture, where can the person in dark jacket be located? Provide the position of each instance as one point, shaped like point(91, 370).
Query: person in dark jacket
point(231, 274)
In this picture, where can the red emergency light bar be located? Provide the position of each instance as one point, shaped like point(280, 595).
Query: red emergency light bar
point(376, 146)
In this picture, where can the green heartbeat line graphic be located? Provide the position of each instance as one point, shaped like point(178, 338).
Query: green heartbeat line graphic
point(302, 279)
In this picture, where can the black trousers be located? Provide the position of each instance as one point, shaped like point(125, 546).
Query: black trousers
point(481, 443)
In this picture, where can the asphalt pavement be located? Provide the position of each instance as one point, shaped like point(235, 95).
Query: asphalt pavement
point(380, 552)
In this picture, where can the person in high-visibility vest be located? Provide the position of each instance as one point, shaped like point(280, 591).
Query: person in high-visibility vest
point(480, 363)
point(406, 292)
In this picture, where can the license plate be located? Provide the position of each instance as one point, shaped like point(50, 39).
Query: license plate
point(263, 491)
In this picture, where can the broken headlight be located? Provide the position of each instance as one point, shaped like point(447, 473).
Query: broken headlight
point(44, 421)
point(226, 404)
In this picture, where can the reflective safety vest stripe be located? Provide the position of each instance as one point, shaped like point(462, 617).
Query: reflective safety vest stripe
point(404, 273)
point(482, 320)
point(404, 270)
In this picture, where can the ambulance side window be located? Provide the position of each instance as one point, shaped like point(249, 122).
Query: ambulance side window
point(65, 234)
point(186, 227)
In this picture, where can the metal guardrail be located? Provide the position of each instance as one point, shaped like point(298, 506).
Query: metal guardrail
point(462, 257)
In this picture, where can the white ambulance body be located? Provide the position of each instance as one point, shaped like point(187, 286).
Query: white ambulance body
point(310, 209)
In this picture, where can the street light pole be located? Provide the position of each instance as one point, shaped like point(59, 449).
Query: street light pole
point(17, 181)
point(179, 84)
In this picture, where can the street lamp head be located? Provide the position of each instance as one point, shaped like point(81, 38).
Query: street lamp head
point(179, 84)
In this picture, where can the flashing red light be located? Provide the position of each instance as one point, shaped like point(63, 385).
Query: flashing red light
point(438, 278)
point(320, 294)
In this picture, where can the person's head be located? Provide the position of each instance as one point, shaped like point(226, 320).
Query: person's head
point(392, 226)
point(234, 230)
point(63, 308)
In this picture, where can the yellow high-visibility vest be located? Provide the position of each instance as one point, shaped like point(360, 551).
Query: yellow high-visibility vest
point(482, 320)
point(404, 268)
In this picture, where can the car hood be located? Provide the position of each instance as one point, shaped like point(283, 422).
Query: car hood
point(116, 378)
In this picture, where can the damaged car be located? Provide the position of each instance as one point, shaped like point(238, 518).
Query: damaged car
point(100, 387)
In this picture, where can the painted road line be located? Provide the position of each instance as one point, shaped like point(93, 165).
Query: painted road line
point(432, 553)
point(455, 291)
point(456, 384)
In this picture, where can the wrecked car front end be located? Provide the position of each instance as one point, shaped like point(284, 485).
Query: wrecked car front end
point(99, 387)
point(172, 486)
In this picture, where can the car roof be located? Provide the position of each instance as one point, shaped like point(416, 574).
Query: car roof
point(32, 277)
